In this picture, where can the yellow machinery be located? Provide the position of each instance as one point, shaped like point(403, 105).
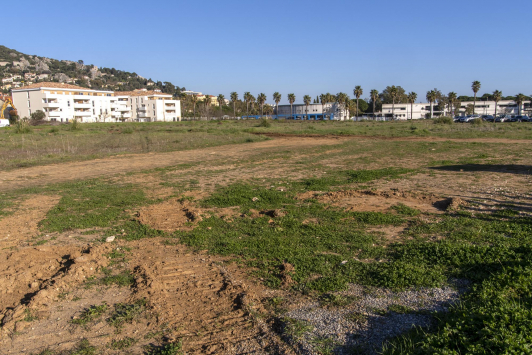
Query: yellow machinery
point(8, 102)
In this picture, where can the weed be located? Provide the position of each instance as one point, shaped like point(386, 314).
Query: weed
point(90, 314)
point(323, 345)
point(334, 300)
point(264, 123)
point(127, 130)
point(122, 343)
point(397, 308)
point(74, 126)
point(84, 348)
point(356, 317)
point(295, 328)
point(443, 120)
point(126, 313)
point(167, 349)
point(22, 127)
point(29, 316)
point(405, 210)
point(125, 278)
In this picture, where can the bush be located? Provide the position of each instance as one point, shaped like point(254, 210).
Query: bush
point(37, 117)
point(264, 123)
point(477, 121)
point(443, 120)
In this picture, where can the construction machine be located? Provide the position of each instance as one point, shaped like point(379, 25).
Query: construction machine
point(8, 103)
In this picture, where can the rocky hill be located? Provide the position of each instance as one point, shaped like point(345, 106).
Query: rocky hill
point(17, 69)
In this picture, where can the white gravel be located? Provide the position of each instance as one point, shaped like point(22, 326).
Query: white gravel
point(331, 325)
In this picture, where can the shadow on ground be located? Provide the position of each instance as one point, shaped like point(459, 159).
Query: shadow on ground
point(497, 168)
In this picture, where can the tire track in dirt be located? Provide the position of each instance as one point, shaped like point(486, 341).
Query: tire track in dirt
point(47, 174)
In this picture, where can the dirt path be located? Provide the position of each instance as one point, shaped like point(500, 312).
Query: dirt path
point(43, 175)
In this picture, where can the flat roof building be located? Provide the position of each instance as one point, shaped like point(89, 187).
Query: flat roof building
point(63, 102)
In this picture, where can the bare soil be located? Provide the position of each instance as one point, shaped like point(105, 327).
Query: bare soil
point(210, 304)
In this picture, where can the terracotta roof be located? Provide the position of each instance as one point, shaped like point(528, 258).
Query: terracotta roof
point(139, 93)
point(52, 85)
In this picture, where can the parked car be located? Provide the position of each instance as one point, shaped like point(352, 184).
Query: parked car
point(469, 118)
point(523, 118)
point(457, 118)
point(503, 118)
point(488, 118)
point(4, 123)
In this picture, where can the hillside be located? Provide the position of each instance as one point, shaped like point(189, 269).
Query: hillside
point(17, 68)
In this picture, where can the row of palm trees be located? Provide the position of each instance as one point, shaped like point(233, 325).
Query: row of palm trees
point(346, 104)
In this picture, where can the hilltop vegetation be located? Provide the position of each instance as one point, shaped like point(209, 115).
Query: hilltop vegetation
point(77, 72)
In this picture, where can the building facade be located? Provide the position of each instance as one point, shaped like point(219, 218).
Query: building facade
point(422, 110)
point(328, 111)
point(65, 102)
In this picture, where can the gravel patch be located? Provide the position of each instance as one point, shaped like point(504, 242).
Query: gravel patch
point(371, 316)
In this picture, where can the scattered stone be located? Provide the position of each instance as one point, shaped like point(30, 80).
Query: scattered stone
point(255, 199)
point(110, 239)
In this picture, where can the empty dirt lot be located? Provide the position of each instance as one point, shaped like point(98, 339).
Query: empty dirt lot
point(276, 246)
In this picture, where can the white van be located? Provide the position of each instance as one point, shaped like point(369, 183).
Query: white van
point(4, 123)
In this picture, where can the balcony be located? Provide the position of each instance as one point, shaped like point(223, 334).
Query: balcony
point(143, 109)
point(142, 115)
point(53, 113)
point(83, 113)
point(82, 105)
point(51, 104)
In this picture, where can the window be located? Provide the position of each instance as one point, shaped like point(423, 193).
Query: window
point(93, 103)
point(29, 103)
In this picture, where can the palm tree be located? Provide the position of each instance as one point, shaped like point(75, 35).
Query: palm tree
point(277, 99)
point(252, 102)
point(234, 99)
point(497, 96)
point(306, 100)
point(221, 102)
point(431, 97)
point(452, 99)
point(475, 86)
point(358, 92)
point(207, 103)
point(519, 99)
point(374, 97)
point(247, 97)
point(341, 99)
point(291, 99)
point(412, 97)
point(394, 93)
point(261, 99)
point(194, 100)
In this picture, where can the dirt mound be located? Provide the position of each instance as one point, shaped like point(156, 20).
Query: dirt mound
point(376, 201)
point(170, 216)
point(24, 223)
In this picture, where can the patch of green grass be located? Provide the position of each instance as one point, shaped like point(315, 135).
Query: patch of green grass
point(356, 317)
point(126, 313)
point(334, 300)
point(247, 196)
point(323, 345)
point(295, 328)
point(90, 314)
point(84, 347)
point(397, 308)
point(406, 210)
point(124, 278)
point(167, 349)
point(29, 316)
point(122, 343)
point(90, 204)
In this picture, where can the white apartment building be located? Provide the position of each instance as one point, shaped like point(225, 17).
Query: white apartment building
point(420, 110)
point(326, 111)
point(64, 102)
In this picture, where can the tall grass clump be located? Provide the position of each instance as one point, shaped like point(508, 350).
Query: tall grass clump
point(74, 126)
point(22, 127)
point(264, 123)
point(477, 121)
point(443, 120)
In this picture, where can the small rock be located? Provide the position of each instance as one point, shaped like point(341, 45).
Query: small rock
point(110, 239)
point(344, 262)
point(255, 199)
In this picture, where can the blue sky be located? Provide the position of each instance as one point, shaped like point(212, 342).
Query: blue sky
point(305, 47)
